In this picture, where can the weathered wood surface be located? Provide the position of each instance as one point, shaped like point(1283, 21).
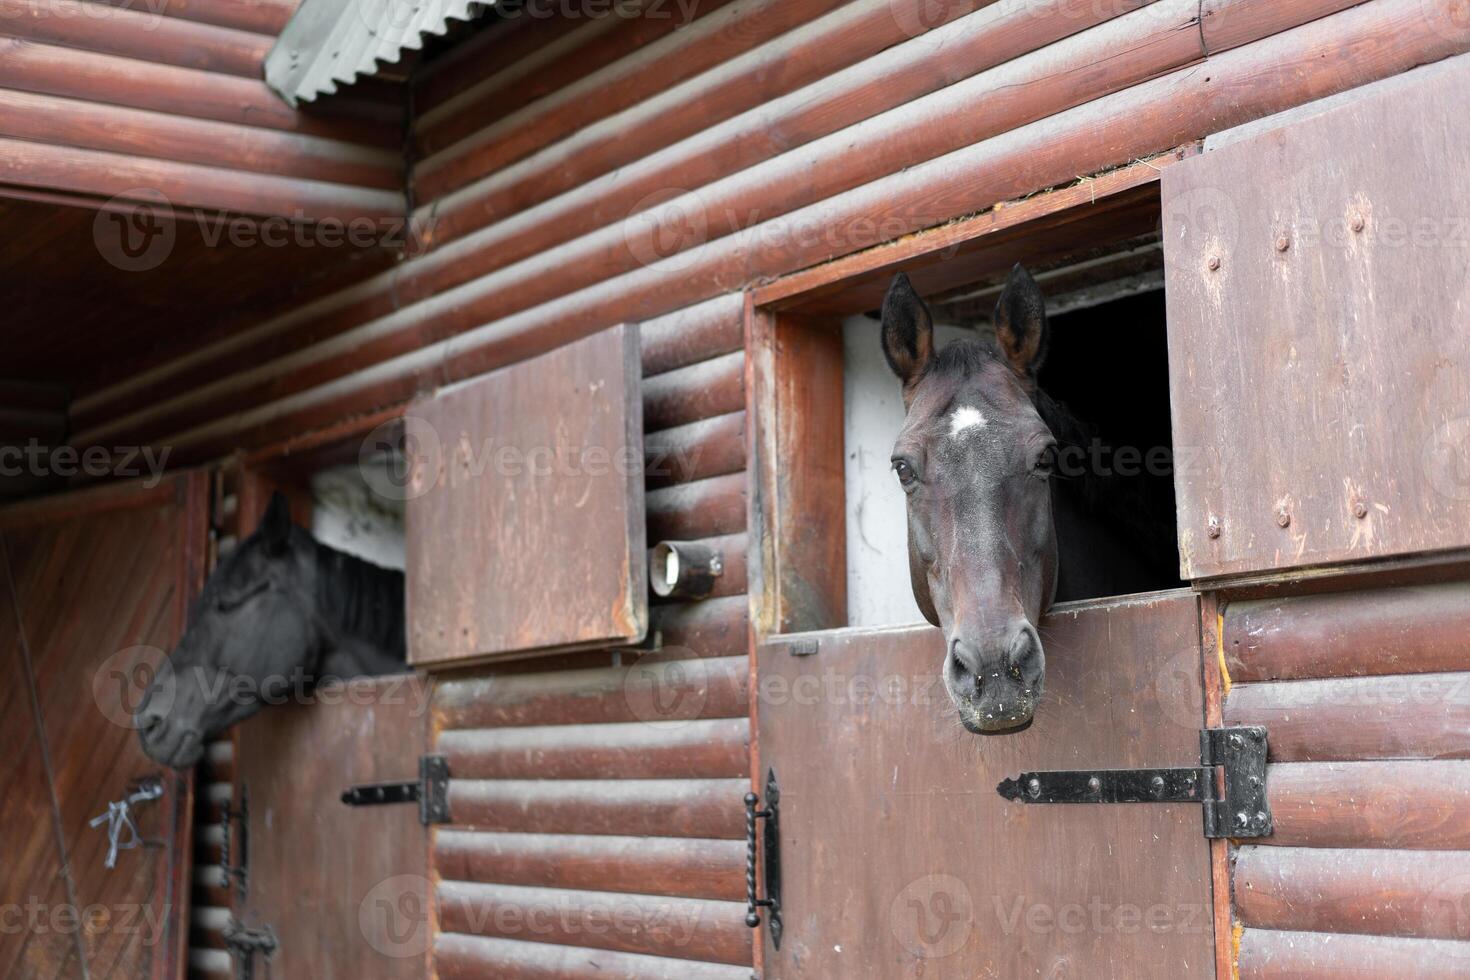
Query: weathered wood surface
point(623, 807)
point(1267, 955)
point(1412, 894)
point(532, 475)
point(692, 868)
point(1031, 888)
point(344, 888)
point(459, 957)
point(1374, 631)
point(1415, 805)
point(694, 749)
point(1356, 447)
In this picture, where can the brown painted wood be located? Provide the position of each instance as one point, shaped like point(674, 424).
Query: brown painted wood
point(622, 807)
point(1404, 804)
point(1379, 478)
point(97, 592)
point(1266, 955)
point(713, 688)
point(712, 869)
point(1415, 716)
point(260, 16)
point(564, 510)
point(344, 888)
point(680, 928)
point(458, 957)
point(1123, 689)
point(1372, 631)
point(701, 509)
point(710, 628)
point(698, 391)
point(697, 450)
point(694, 334)
point(693, 749)
point(1412, 894)
point(136, 33)
point(1227, 24)
point(799, 508)
point(1387, 36)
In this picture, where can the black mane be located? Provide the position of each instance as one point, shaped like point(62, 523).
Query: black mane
point(361, 599)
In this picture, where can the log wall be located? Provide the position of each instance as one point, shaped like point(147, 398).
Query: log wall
point(1366, 695)
point(99, 100)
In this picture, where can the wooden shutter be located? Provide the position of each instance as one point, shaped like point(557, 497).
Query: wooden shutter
point(525, 507)
point(1319, 298)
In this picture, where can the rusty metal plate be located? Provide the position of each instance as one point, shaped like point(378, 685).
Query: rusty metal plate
point(1319, 300)
point(899, 858)
point(525, 515)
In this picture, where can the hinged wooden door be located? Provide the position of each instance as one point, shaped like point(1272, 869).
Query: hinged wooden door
point(94, 591)
point(899, 858)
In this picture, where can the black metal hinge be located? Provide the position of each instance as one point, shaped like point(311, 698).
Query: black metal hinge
point(1235, 803)
point(430, 791)
point(770, 849)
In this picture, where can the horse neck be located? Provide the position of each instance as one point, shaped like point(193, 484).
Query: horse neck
point(361, 605)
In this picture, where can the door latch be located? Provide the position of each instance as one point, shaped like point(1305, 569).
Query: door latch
point(430, 791)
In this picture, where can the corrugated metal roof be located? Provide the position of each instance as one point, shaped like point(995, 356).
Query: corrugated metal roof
point(332, 42)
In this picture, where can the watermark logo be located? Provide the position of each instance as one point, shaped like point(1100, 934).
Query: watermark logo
point(402, 459)
point(1177, 690)
point(122, 681)
point(394, 916)
point(1447, 913)
point(933, 916)
point(1449, 19)
point(665, 227)
point(666, 693)
point(1445, 458)
point(136, 230)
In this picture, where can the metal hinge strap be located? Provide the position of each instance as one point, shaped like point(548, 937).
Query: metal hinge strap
point(430, 791)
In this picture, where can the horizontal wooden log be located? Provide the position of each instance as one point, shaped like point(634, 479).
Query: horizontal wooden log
point(713, 387)
point(95, 173)
point(519, 37)
point(137, 33)
point(622, 807)
point(682, 148)
point(710, 628)
point(702, 509)
point(1372, 631)
point(704, 749)
point(697, 333)
point(695, 451)
point(47, 69)
point(211, 964)
point(134, 132)
point(700, 46)
point(592, 45)
point(708, 688)
point(1415, 716)
point(218, 764)
point(1409, 805)
point(459, 957)
point(713, 869)
point(1228, 24)
point(266, 17)
point(682, 928)
point(1385, 36)
point(208, 888)
point(1412, 894)
point(1267, 955)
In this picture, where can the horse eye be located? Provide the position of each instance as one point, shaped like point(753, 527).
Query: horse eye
point(1046, 462)
point(905, 472)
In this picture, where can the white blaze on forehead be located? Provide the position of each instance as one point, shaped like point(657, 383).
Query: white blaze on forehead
point(965, 417)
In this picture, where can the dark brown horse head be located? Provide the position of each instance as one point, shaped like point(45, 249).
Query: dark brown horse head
point(975, 460)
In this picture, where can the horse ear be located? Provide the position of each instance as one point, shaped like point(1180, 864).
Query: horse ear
point(275, 527)
point(908, 330)
point(1020, 322)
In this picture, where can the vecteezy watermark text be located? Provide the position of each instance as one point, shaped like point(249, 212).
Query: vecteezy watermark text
point(40, 460)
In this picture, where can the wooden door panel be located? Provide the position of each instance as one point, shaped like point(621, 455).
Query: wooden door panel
point(526, 525)
point(99, 582)
point(1319, 296)
point(344, 889)
point(899, 859)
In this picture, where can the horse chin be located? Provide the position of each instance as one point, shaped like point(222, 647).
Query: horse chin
point(181, 752)
point(970, 719)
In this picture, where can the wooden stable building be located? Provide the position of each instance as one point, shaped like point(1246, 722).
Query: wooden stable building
point(246, 245)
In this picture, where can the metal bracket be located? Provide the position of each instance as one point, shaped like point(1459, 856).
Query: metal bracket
point(1236, 806)
point(244, 943)
point(771, 850)
point(430, 791)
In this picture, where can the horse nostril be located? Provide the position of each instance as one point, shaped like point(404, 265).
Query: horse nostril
point(146, 723)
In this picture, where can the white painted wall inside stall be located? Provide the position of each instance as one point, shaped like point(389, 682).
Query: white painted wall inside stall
point(349, 516)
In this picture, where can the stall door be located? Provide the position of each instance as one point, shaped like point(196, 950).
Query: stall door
point(899, 859)
point(330, 890)
point(94, 590)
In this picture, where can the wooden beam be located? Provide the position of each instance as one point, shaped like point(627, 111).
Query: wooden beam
point(638, 807)
point(687, 749)
point(1268, 955)
point(460, 957)
point(1411, 805)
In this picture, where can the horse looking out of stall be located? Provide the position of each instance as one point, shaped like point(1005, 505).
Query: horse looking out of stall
point(280, 614)
point(995, 533)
